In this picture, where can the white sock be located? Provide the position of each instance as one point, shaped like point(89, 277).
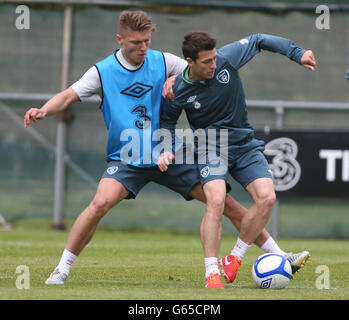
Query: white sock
point(66, 261)
point(270, 246)
point(240, 248)
point(211, 265)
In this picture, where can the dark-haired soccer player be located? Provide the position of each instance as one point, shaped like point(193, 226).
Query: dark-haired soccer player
point(211, 93)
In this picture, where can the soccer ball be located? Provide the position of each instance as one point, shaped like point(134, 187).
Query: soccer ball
point(271, 271)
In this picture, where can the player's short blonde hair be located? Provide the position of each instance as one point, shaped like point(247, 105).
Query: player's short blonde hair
point(135, 20)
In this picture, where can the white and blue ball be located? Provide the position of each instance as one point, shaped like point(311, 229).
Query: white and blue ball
point(271, 271)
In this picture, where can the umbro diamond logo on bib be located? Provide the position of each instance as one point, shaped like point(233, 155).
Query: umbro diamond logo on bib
point(137, 90)
point(223, 76)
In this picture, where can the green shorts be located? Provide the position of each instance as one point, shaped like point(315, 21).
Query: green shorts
point(245, 168)
point(180, 178)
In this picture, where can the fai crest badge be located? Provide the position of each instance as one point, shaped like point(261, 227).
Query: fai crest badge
point(197, 105)
point(205, 172)
point(112, 170)
point(223, 76)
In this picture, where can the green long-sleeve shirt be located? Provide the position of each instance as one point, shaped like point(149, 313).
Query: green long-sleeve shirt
point(219, 103)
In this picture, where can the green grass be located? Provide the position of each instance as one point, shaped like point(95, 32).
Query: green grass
point(153, 265)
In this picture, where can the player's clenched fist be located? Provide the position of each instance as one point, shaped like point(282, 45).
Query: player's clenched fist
point(167, 91)
point(33, 114)
point(165, 160)
point(308, 60)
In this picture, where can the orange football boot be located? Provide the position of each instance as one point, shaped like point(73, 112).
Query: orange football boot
point(213, 281)
point(230, 266)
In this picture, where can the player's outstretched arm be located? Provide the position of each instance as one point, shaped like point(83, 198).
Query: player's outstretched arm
point(240, 52)
point(55, 105)
point(308, 60)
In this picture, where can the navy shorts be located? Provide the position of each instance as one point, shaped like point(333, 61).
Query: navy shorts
point(179, 178)
point(246, 168)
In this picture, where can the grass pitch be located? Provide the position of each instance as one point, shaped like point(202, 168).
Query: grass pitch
point(155, 265)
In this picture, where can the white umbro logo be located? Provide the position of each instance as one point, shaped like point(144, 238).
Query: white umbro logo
point(244, 41)
point(271, 172)
point(191, 99)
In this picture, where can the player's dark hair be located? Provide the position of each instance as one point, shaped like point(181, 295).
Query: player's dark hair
point(196, 41)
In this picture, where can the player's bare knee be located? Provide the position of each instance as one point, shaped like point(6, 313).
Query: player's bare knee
point(99, 206)
point(271, 199)
point(216, 204)
point(266, 202)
